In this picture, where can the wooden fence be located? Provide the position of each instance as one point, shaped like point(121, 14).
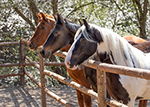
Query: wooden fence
point(101, 79)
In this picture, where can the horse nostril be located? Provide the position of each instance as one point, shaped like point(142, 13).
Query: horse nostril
point(68, 63)
point(30, 45)
point(42, 52)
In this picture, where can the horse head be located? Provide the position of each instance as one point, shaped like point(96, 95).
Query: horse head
point(82, 48)
point(45, 25)
point(61, 36)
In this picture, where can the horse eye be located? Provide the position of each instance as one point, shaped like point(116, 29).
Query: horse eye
point(42, 27)
point(56, 32)
point(81, 40)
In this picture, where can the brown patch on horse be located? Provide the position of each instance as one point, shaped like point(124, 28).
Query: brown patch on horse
point(66, 48)
point(145, 47)
point(133, 40)
point(115, 88)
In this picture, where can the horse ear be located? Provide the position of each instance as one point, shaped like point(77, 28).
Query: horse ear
point(86, 25)
point(60, 18)
point(80, 22)
point(43, 16)
point(38, 15)
point(55, 17)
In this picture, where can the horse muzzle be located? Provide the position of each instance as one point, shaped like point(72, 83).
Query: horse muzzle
point(32, 46)
point(70, 66)
point(45, 54)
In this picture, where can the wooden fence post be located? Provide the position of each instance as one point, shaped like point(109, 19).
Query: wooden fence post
point(22, 60)
point(101, 88)
point(42, 80)
point(142, 103)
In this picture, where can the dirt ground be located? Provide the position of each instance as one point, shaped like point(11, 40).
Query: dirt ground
point(31, 97)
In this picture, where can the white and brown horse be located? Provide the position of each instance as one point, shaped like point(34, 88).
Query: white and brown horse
point(90, 39)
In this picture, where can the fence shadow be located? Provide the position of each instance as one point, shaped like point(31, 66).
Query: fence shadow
point(18, 97)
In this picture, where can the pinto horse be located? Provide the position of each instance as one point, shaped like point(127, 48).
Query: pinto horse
point(90, 39)
point(43, 30)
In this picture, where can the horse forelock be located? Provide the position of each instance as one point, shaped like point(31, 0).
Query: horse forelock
point(85, 34)
point(49, 17)
point(77, 33)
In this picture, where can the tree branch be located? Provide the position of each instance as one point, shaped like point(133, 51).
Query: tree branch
point(139, 6)
point(33, 9)
point(137, 14)
point(55, 6)
point(141, 16)
point(119, 7)
point(145, 10)
point(26, 19)
point(80, 7)
point(23, 16)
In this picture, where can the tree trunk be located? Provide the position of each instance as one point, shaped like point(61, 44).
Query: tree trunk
point(33, 9)
point(141, 13)
point(54, 6)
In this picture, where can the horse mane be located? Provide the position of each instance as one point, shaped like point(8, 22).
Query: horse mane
point(118, 49)
point(49, 17)
point(78, 32)
point(85, 33)
point(71, 26)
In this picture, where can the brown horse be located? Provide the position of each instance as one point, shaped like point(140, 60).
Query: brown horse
point(36, 41)
point(45, 25)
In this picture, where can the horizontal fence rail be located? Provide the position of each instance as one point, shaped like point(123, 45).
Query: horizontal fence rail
point(65, 81)
point(74, 84)
point(9, 43)
point(117, 69)
point(49, 93)
point(30, 64)
point(9, 75)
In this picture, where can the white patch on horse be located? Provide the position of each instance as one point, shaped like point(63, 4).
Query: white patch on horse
point(103, 48)
point(38, 24)
point(69, 54)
